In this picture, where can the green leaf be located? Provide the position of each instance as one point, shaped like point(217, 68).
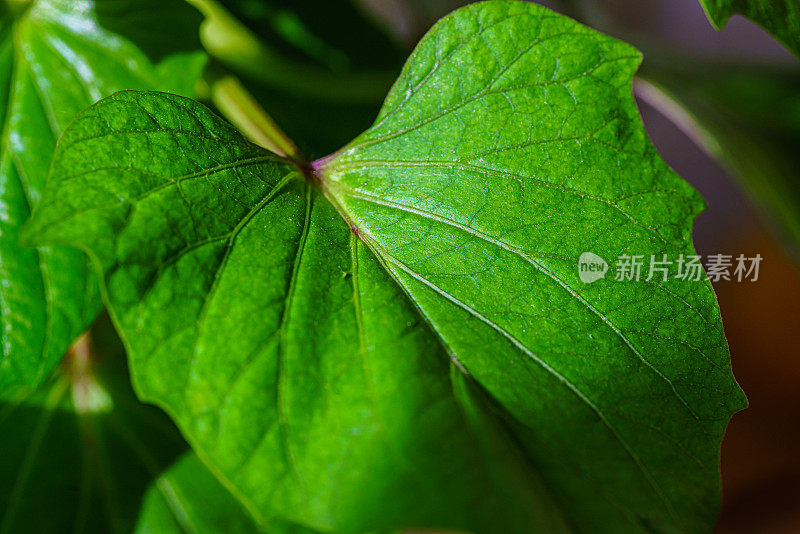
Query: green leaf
point(247, 306)
point(79, 454)
point(55, 59)
point(749, 120)
point(187, 498)
point(494, 164)
point(433, 359)
point(779, 17)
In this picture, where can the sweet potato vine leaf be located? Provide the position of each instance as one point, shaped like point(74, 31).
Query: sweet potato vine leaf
point(56, 58)
point(397, 335)
point(781, 18)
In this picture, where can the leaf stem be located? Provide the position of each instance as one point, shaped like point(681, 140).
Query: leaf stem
point(237, 47)
point(239, 107)
point(87, 394)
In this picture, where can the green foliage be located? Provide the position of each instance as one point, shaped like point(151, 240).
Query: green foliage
point(78, 455)
point(327, 33)
point(779, 17)
point(427, 355)
point(187, 498)
point(208, 312)
point(83, 455)
point(56, 59)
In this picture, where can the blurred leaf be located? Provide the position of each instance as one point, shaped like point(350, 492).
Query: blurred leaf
point(408, 20)
point(335, 33)
point(323, 93)
point(278, 334)
point(55, 59)
point(749, 120)
point(318, 127)
point(779, 17)
point(78, 455)
point(159, 28)
point(187, 498)
point(252, 54)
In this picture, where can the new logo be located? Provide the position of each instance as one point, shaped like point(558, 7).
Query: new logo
point(591, 267)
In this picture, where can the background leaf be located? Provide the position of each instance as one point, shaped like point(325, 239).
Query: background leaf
point(749, 120)
point(320, 68)
point(779, 17)
point(83, 455)
point(79, 454)
point(55, 59)
point(328, 33)
point(188, 499)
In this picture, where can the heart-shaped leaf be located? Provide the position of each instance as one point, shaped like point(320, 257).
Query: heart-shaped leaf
point(429, 355)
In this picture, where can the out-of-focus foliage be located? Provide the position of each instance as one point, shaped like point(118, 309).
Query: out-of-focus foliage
point(187, 498)
point(749, 119)
point(56, 58)
point(779, 17)
point(79, 454)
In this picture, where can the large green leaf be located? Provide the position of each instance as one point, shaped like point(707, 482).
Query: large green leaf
point(433, 359)
point(55, 59)
point(749, 120)
point(779, 17)
point(494, 164)
point(246, 304)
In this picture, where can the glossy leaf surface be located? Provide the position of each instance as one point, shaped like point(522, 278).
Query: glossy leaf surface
point(494, 164)
point(56, 59)
point(290, 360)
point(397, 368)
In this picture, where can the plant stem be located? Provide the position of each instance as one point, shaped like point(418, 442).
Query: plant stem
point(234, 45)
point(87, 394)
point(239, 107)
